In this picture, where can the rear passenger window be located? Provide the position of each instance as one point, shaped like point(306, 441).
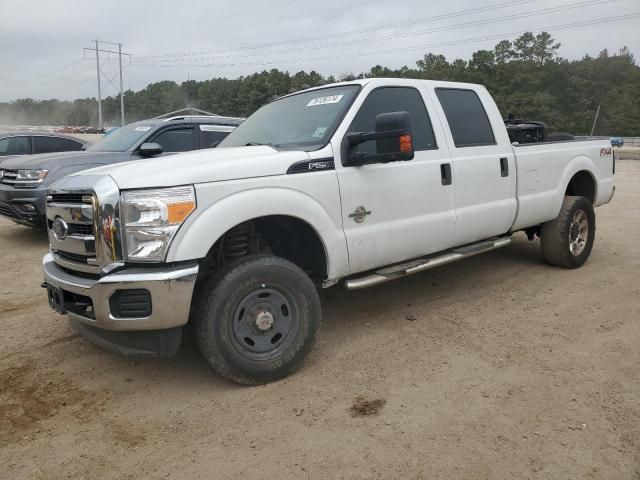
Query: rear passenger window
point(74, 146)
point(394, 99)
point(176, 140)
point(466, 116)
point(50, 144)
point(212, 139)
point(212, 135)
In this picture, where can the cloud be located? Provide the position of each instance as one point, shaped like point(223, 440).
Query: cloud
point(43, 41)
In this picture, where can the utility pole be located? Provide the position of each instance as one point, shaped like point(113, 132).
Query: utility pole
point(121, 87)
point(101, 73)
point(99, 89)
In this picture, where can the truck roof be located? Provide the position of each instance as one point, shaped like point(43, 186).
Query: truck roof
point(394, 81)
point(199, 119)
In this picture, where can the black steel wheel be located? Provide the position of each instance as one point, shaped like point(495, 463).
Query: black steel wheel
point(265, 323)
point(257, 319)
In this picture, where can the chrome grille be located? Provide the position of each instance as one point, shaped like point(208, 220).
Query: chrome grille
point(90, 240)
point(9, 177)
point(76, 247)
point(80, 230)
point(68, 198)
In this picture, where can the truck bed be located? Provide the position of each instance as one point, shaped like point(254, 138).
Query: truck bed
point(544, 170)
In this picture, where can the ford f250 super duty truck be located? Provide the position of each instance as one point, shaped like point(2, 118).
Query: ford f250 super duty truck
point(359, 182)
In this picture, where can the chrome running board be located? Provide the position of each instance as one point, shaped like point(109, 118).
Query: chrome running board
point(422, 264)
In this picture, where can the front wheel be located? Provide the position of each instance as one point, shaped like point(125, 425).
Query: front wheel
point(257, 319)
point(568, 239)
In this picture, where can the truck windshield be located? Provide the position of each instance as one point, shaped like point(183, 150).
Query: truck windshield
point(304, 120)
point(122, 139)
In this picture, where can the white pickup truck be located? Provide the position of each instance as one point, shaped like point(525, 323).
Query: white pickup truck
point(359, 182)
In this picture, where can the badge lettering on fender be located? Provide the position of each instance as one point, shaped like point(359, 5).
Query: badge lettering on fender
point(605, 152)
point(360, 214)
point(320, 165)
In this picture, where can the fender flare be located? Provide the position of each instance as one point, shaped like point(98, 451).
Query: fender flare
point(580, 163)
point(200, 232)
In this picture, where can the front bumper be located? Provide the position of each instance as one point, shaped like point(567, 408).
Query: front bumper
point(14, 201)
point(90, 301)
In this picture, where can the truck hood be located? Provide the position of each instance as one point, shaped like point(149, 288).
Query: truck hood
point(54, 161)
point(203, 166)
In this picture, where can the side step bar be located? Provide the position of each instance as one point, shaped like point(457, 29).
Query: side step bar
point(421, 264)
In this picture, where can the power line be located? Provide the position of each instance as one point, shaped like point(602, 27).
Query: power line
point(282, 18)
point(502, 36)
point(419, 32)
point(42, 76)
point(375, 28)
point(50, 81)
point(223, 17)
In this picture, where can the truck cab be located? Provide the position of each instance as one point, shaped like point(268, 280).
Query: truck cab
point(356, 183)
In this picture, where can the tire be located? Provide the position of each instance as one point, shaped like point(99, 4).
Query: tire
point(256, 320)
point(567, 240)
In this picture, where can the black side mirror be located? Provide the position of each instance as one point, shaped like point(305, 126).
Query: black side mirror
point(149, 149)
point(393, 138)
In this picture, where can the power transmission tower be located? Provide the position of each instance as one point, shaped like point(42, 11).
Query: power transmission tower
point(100, 73)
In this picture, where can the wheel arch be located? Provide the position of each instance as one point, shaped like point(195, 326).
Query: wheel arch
point(578, 167)
point(200, 233)
point(583, 184)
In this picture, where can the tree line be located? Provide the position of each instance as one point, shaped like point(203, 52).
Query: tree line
point(527, 77)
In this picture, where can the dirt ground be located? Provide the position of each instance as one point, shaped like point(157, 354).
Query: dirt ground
point(495, 367)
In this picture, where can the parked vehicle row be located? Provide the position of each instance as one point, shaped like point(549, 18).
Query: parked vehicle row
point(617, 142)
point(29, 143)
point(358, 183)
point(25, 180)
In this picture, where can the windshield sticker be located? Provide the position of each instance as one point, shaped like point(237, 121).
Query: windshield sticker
point(319, 133)
point(324, 100)
point(143, 129)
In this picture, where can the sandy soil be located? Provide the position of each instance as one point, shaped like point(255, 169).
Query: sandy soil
point(628, 153)
point(495, 367)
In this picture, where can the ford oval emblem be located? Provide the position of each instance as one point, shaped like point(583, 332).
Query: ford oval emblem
point(60, 228)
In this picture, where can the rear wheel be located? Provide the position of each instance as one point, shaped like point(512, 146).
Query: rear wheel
point(257, 319)
point(568, 239)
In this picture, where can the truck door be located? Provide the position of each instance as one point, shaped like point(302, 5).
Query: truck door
point(400, 210)
point(483, 165)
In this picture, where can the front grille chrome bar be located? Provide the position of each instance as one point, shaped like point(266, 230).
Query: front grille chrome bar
point(85, 202)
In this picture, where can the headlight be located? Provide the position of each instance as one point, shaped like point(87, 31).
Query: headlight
point(29, 178)
point(151, 218)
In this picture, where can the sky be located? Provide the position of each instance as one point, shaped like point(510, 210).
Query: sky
point(42, 42)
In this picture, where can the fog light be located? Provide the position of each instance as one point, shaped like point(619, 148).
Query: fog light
point(28, 207)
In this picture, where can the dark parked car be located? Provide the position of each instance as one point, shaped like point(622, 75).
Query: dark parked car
point(617, 142)
point(24, 180)
point(28, 143)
